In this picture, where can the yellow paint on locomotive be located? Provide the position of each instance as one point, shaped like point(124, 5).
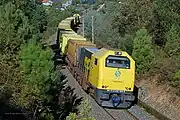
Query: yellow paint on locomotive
point(87, 62)
point(70, 18)
point(111, 78)
point(77, 15)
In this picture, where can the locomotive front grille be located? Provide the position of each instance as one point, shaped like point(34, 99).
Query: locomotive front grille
point(114, 99)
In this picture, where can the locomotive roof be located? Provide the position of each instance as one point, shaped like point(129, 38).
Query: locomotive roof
point(66, 21)
point(103, 52)
point(93, 50)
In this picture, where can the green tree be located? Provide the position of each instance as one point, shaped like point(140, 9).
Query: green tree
point(98, 17)
point(84, 113)
point(35, 12)
point(43, 88)
point(172, 46)
point(105, 34)
point(143, 53)
point(14, 29)
point(36, 66)
point(132, 15)
point(165, 13)
point(60, 100)
point(29, 77)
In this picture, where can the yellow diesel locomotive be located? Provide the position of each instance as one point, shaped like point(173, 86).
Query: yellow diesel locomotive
point(107, 74)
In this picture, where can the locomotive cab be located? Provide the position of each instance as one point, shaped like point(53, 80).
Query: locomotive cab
point(112, 75)
point(77, 18)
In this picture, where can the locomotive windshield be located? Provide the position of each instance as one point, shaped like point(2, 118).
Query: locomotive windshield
point(118, 62)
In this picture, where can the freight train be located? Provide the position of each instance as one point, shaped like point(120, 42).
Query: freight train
point(108, 75)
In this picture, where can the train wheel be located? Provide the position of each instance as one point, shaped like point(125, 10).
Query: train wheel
point(88, 90)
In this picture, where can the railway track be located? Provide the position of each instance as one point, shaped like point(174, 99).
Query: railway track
point(120, 114)
point(100, 113)
point(110, 115)
point(134, 113)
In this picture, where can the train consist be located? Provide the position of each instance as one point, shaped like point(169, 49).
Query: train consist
point(107, 75)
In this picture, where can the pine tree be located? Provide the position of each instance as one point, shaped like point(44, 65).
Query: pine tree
point(142, 51)
point(14, 28)
point(36, 66)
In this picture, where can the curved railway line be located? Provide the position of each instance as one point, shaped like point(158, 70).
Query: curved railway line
point(100, 113)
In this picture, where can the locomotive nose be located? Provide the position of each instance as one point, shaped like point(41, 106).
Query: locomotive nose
point(115, 100)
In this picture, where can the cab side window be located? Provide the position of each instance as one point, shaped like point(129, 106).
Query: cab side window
point(95, 62)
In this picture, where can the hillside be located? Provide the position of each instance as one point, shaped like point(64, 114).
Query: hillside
point(150, 32)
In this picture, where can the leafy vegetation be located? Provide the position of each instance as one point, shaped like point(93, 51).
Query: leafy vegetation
point(147, 30)
point(13, 31)
point(37, 69)
point(29, 83)
point(143, 53)
point(85, 111)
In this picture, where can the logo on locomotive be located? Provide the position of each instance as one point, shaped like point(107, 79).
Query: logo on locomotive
point(117, 74)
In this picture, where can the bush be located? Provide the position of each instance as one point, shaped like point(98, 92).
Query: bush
point(84, 114)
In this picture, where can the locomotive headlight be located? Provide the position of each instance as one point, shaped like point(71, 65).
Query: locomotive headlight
point(116, 100)
point(117, 53)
